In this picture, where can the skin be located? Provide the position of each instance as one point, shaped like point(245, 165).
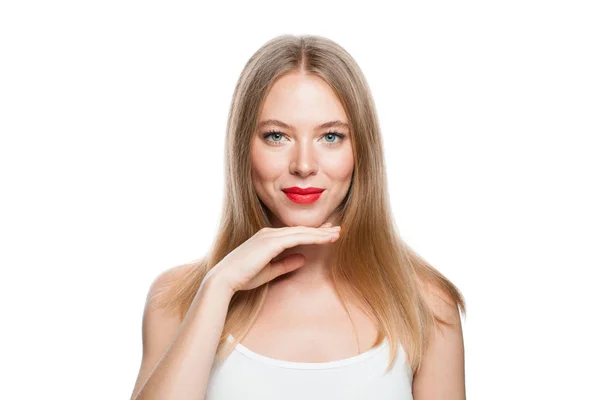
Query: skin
point(303, 155)
point(303, 158)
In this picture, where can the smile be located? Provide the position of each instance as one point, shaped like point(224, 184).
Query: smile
point(303, 198)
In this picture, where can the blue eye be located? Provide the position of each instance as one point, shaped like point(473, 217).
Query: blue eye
point(334, 135)
point(328, 135)
point(271, 134)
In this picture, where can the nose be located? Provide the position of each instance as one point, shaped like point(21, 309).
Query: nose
point(303, 162)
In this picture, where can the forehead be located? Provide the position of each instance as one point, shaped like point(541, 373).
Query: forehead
point(301, 100)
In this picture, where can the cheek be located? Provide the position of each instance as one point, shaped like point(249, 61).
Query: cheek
point(266, 168)
point(340, 168)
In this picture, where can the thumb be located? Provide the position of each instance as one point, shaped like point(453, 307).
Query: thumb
point(288, 264)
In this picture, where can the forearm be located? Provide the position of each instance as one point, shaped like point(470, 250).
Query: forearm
point(183, 371)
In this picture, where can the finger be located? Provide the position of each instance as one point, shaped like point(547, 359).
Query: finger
point(286, 241)
point(285, 265)
point(303, 229)
point(275, 245)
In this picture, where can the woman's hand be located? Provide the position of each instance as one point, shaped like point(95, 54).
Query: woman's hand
point(251, 264)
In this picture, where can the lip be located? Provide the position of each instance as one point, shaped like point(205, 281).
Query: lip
point(303, 198)
point(303, 195)
point(308, 190)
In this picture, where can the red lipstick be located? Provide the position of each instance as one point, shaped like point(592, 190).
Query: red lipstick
point(303, 195)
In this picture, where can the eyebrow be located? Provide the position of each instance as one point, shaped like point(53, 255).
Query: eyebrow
point(330, 124)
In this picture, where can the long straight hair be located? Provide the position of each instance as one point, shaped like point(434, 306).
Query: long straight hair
point(371, 262)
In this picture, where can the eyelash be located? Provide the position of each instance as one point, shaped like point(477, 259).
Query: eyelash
point(341, 137)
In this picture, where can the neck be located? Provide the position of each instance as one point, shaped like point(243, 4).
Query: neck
point(316, 270)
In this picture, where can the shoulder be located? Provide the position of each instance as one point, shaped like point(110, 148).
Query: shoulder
point(159, 323)
point(160, 319)
point(167, 277)
point(441, 374)
point(162, 283)
point(441, 303)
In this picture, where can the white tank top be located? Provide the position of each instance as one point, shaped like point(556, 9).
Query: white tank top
point(247, 375)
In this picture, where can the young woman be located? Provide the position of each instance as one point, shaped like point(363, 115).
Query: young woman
point(308, 291)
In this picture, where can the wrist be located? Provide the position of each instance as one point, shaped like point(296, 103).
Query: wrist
point(213, 282)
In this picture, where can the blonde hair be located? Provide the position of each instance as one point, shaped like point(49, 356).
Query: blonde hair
point(371, 262)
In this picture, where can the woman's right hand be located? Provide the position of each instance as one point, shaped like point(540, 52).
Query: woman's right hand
point(251, 264)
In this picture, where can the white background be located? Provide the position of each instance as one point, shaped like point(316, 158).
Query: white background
point(113, 115)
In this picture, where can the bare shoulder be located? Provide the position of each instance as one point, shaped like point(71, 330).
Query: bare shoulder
point(441, 303)
point(159, 324)
point(165, 279)
point(442, 373)
point(159, 321)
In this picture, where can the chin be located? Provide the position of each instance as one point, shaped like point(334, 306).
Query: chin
point(311, 221)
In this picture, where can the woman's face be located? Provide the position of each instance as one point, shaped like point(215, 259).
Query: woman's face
point(298, 152)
